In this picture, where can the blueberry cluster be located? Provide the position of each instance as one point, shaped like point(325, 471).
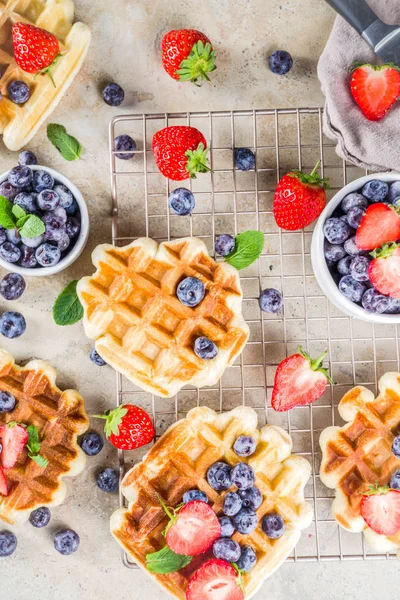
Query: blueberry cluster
point(347, 263)
point(394, 482)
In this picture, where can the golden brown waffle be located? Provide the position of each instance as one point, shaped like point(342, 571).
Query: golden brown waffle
point(143, 330)
point(359, 454)
point(179, 462)
point(20, 122)
point(60, 417)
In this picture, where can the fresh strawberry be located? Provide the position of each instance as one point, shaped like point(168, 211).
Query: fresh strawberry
point(128, 427)
point(35, 50)
point(380, 224)
point(299, 380)
point(299, 199)
point(375, 88)
point(187, 55)
point(3, 483)
point(215, 580)
point(13, 439)
point(192, 529)
point(380, 509)
point(384, 270)
point(180, 152)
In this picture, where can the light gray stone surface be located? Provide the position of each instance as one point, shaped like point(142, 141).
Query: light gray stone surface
point(126, 38)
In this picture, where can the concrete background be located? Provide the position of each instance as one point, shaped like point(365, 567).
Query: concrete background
point(126, 37)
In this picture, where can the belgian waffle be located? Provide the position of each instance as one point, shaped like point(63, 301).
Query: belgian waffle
point(179, 461)
point(19, 123)
point(143, 330)
point(359, 453)
point(59, 417)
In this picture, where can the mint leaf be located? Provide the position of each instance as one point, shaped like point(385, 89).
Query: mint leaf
point(18, 212)
point(32, 227)
point(166, 561)
point(39, 459)
point(68, 309)
point(21, 222)
point(33, 446)
point(248, 247)
point(66, 144)
point(7, 219)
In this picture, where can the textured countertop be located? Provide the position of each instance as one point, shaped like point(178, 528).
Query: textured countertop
point(126, 37)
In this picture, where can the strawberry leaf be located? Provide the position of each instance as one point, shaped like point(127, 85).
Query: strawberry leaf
point(197, 161)
point(198, 64)
point(113, 420)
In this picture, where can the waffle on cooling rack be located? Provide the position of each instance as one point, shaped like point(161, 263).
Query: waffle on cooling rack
point(19, 123)
point(359, 453)
point(143, 330)
point(59, 417)
point(179, 462)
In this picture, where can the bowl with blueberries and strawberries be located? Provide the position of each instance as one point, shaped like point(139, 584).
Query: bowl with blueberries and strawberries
point(355, 249)
point(44, 221)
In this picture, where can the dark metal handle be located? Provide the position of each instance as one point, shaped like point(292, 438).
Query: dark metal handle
point(356, 12)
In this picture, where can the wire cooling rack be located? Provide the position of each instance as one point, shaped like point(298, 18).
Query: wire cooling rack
point(229, 201)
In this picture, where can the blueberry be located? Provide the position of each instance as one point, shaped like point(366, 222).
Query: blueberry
point(108, 480)
point(247, 559)
point(28, 258)
point(65, 196)
point(375, 190)
point(12, 286)
point(375, 302)
point(336, 230)
point(7, 402)
point(280, 62)
point(92, 443)
point(394, 307)
point(394, 191)
point(33, 242)
point(244, 445)
point(181, 201)
point(26, 158)
point(205, 348)
point(224, 244)
point(47, 255)
point(28, 202)
point(42, 180)
point(55, 224)
point(96, 358)
point(354, 217)
point(232, 504)
point(9, 252)
point(124, 143)
point(64, 242)
point(20, 176)
point(245, 521)
point(13, 236)
point(18, 91)
point(351, 289)
point(353, 200)
point(12, 324)
point(8, 191)
point(73, 208)
point(245, 159)
point(270, 301)
point(226, 549)
point(113, 94)
point(251, 498)
point(394, 483)
point(359, 268)
point(194, 495)
point(343, 265)
point(352, 249)
point(190, 291)
point(227, 527)
point(8, 543)
point(66, 541)
point(48, 199)
point(273, 525)
point(333, 252)
point(73, 227)
point(40, 517)
point(243, 476)
point(396, 446)
point(219, 476)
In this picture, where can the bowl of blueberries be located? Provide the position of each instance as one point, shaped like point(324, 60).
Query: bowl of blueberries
point(349, 248)
point(44, 221)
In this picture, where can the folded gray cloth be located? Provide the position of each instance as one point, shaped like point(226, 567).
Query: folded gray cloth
point(368, 144)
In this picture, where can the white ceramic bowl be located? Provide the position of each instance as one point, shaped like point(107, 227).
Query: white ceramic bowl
point(321, 271)
point(80, 242)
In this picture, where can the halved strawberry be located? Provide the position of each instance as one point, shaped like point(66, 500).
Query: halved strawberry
point(193, 529)
point(215, 580)
point(380, 224)
point(13, 438)
point(380, 509)
point(375, 88)
point(384, 270)
point(3, 484)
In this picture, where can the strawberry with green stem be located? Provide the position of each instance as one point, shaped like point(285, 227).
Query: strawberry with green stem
point(127, 427)
point(180, 152)
point(35, 50)
point(187, 55)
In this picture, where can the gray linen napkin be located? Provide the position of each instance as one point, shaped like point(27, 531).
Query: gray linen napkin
point(368, 144)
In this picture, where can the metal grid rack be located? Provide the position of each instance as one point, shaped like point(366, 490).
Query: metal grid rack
point(233, 201)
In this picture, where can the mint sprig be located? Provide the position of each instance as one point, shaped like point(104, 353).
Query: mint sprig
point(248, 247)
point(67, 308)
point(12, 216)
point(166, 561)
point(66, 144)
point(33, 446)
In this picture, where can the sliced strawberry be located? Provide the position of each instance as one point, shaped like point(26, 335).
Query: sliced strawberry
point(13, 438)
point(3, 484)
point(380, 224)
point(299, 380)
point(215, 580)
point(375, 88)
point(194, 529)
point(380, 509)
point(384, 270)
